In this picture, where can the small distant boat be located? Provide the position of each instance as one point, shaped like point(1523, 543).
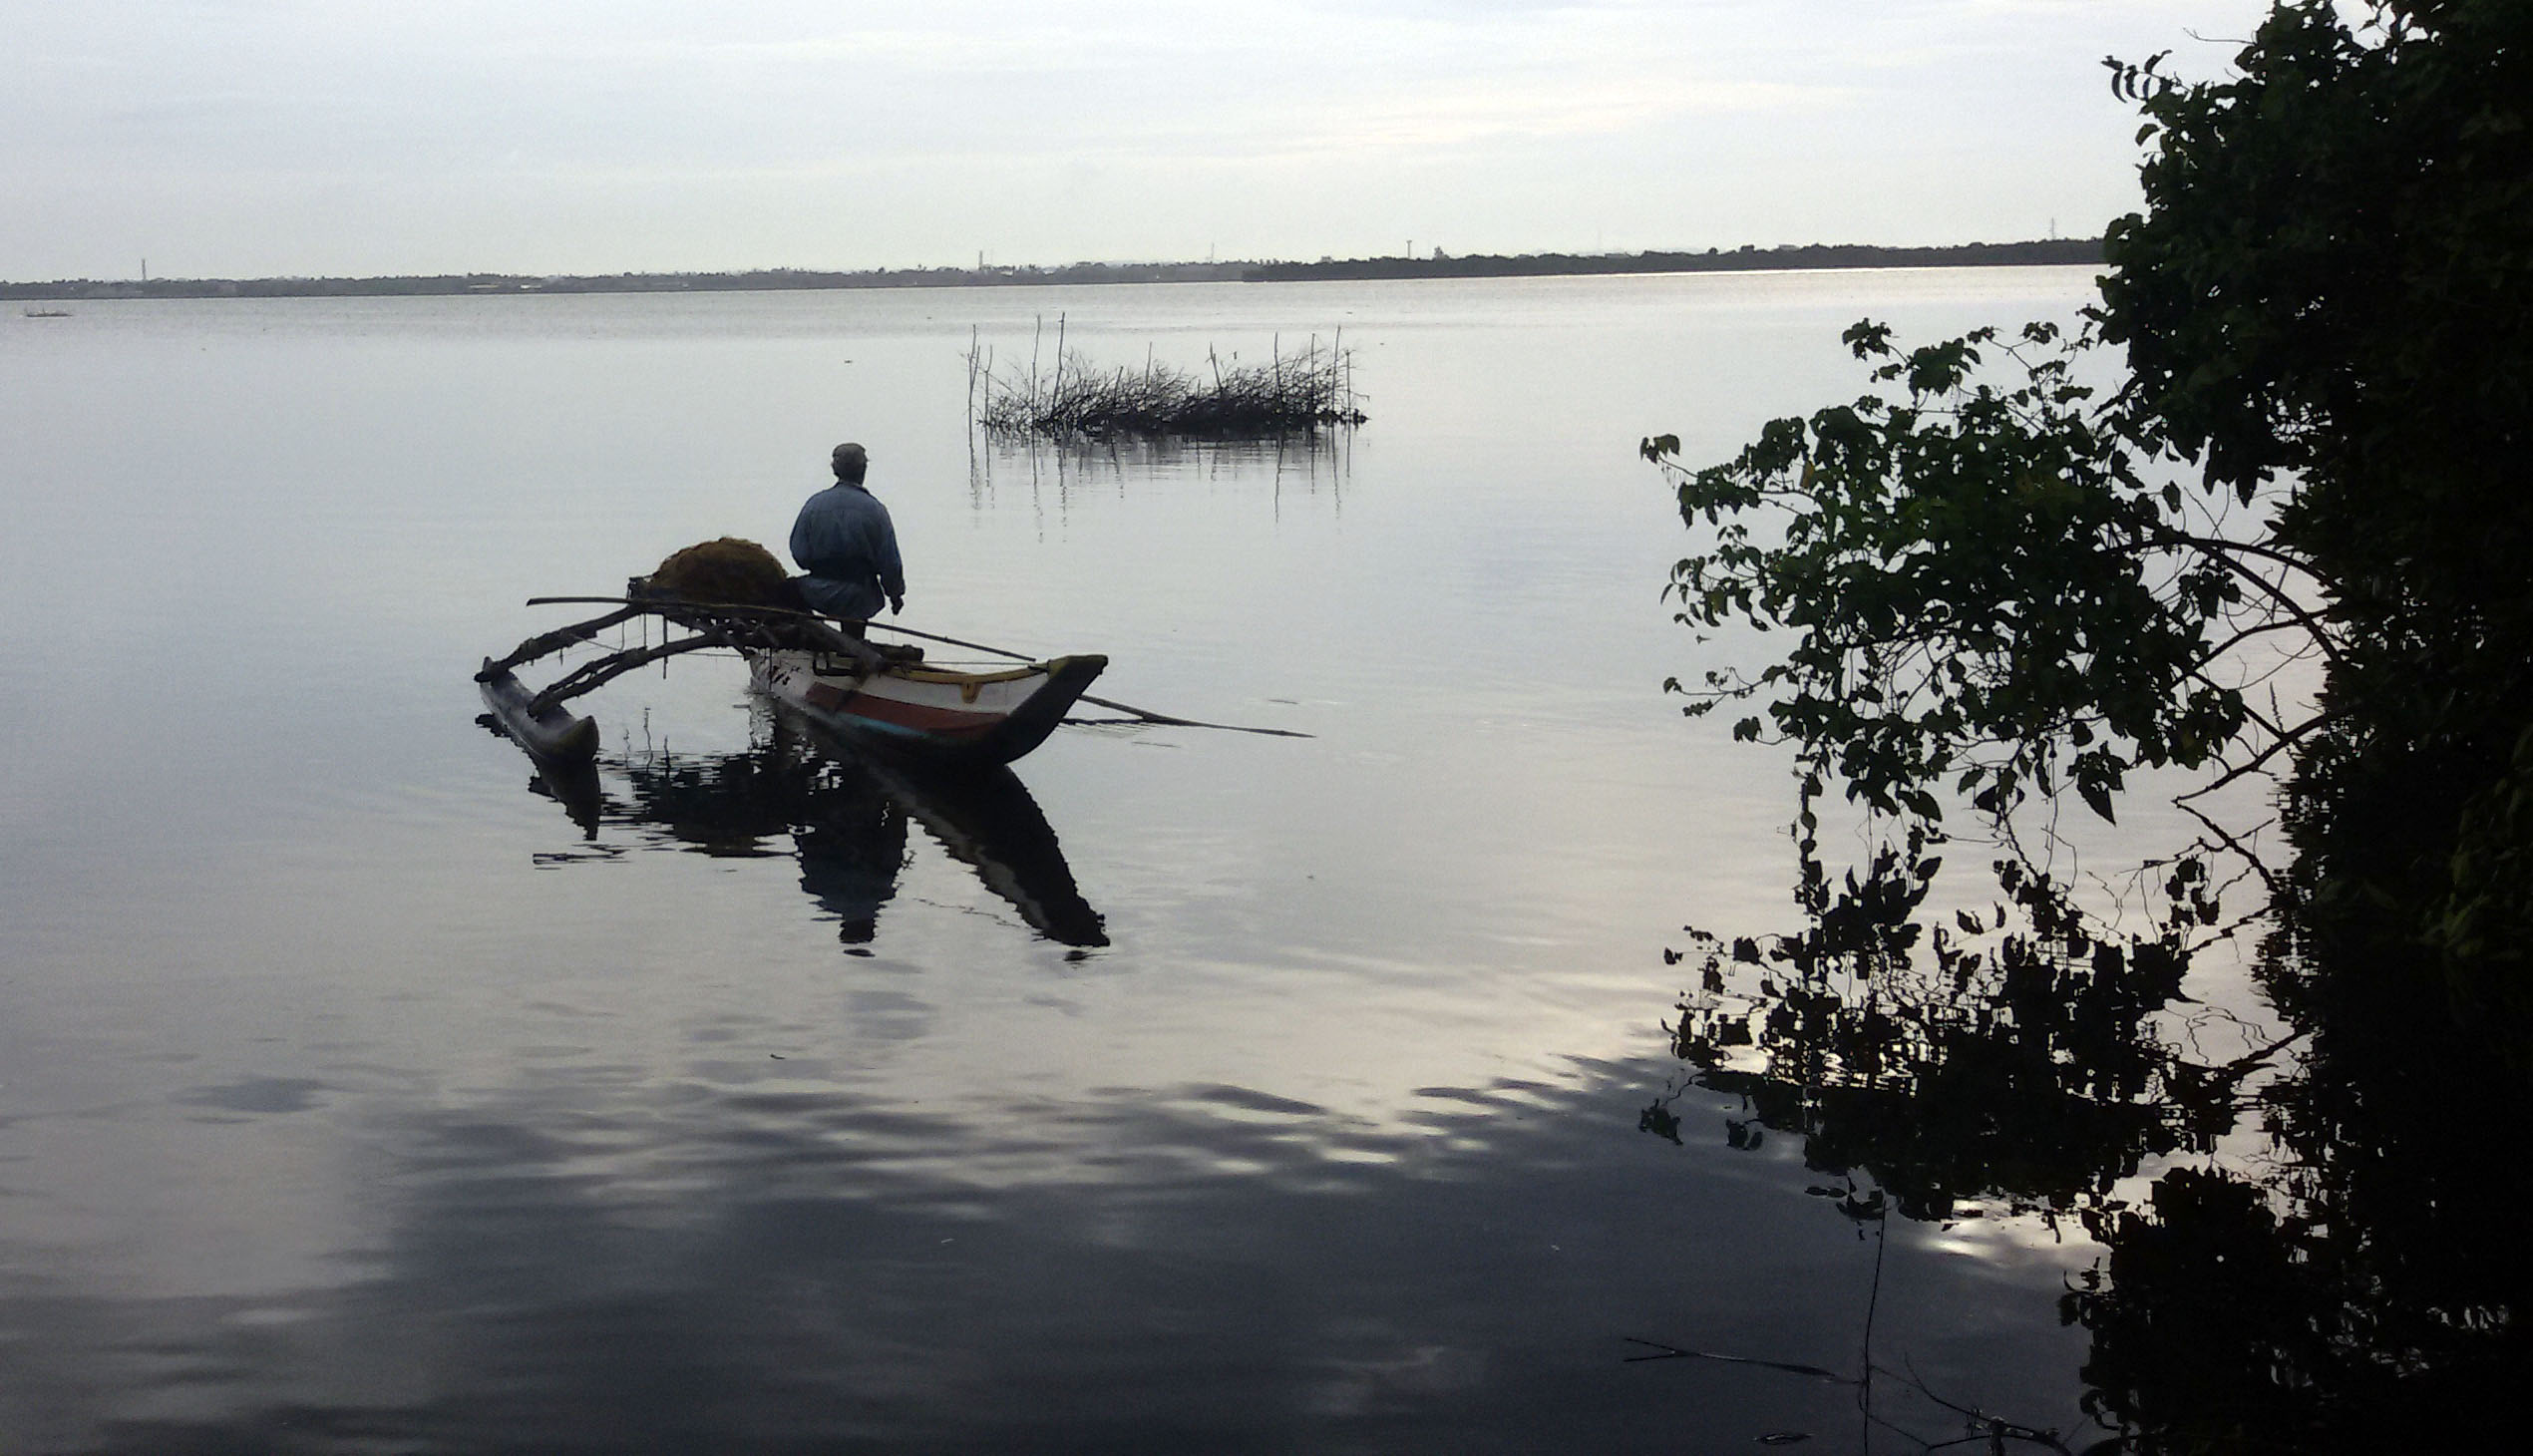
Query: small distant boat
point(48, 314)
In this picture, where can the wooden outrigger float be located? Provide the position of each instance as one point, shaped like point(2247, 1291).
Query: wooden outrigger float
point(882, 698)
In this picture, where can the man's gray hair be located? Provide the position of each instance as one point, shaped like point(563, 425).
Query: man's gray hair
point(852, 462)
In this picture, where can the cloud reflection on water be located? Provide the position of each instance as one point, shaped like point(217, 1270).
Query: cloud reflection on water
point(746, 1259)
point(559, 1092)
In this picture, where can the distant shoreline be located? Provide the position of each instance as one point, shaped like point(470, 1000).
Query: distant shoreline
point(1439, 266)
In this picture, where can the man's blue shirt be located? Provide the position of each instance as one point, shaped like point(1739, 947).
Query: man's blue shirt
point(844, 541)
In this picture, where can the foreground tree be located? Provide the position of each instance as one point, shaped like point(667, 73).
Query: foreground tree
point(1999, 584)
point(1999, 587)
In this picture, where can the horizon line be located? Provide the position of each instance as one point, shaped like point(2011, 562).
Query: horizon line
point(1439, 262)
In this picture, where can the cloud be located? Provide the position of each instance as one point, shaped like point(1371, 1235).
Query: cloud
point(119, 111)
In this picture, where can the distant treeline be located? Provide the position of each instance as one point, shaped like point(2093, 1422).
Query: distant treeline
point(1712, 261)
point(1439, 266)
point(753, 281)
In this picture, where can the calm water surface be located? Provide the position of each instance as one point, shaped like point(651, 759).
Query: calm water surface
point(354, 1095)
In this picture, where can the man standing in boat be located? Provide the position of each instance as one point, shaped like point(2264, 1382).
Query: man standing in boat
point(846, 543)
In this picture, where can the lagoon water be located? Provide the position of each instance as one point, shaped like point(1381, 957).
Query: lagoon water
point(355, 1096)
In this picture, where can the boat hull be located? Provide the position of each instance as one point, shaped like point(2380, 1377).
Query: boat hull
point(927, 713)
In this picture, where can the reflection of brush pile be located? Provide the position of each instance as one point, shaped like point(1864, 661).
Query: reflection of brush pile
point(1307, 391)
point(731, 571)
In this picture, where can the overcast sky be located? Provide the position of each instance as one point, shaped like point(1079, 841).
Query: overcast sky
point(245, 138)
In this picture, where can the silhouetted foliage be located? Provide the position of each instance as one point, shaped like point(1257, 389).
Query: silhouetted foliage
point(2009, 588)
point(1987, 590)
point(2332, 284)
point(2001, 588)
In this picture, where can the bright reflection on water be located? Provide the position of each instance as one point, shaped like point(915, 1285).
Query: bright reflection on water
point(1188, 1091)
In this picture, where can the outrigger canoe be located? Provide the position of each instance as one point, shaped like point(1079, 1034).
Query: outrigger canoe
point(887, 700)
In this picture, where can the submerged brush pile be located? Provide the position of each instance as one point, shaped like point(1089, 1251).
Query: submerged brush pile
point(1306, 391)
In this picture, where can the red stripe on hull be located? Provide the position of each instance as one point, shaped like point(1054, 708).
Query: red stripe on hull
point(944, 721)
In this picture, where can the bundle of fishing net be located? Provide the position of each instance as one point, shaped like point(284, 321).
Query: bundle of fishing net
point(731, 571)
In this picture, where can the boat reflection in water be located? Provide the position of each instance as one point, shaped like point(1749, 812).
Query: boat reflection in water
point(845, 814)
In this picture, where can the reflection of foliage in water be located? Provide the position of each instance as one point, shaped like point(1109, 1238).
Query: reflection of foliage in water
point(1965, 1060)
point(2356, 1289)
point(2350, 1286)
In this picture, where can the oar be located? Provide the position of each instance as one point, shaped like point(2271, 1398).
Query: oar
point(1146, 714)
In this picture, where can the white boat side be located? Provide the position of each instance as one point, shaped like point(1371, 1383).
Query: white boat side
point(988, 716)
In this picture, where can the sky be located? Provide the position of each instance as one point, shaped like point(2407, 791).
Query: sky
point(262, 138)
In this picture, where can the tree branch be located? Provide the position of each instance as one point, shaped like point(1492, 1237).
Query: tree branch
point(2219, 552)
point(2276, 889)
point(2283, 741)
